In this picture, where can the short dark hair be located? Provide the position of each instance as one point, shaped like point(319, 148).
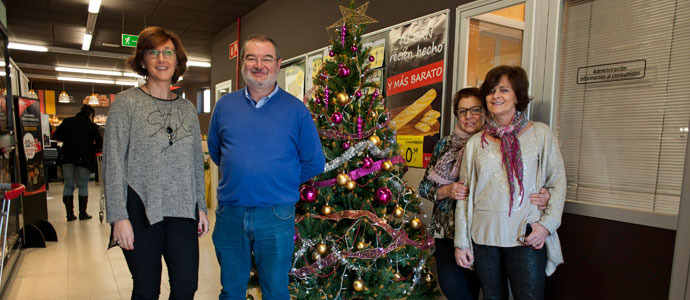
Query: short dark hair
point(464, 93)
point(87, 110)
point(150, 38)
point(518, 79)
point(261, 38)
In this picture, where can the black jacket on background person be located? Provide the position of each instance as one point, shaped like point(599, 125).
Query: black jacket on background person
point(80, 139)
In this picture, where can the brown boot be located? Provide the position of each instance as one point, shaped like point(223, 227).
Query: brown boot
point(69, 207)
point(82, 208)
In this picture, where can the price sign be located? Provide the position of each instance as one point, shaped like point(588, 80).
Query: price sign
point(411, 149)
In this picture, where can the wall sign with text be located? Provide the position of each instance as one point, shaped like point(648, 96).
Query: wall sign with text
point(634, 69)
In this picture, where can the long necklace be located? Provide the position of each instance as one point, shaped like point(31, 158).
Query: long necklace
point(168, 126)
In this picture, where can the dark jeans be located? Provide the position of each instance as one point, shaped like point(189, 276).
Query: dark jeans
point(176, 240)
point(524, 267)
point(457, 283)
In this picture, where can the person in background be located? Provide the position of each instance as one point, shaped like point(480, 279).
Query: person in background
point(154, 172)
point(507, 239)
point(80, 143)
point(266, 144)
point(440, 185)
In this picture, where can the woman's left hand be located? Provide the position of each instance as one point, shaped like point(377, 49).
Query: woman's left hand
point(203, 223)
point(538, 236)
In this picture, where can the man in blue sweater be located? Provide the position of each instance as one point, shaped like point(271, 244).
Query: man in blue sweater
point(266, 144)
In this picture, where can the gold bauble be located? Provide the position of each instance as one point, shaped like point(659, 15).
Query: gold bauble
point(249, 297)
point(429, 277)
point(398, 212)
point(373, 115)
point(358, 285)
point(415, 223)
point(361, 245)
point(397, 276)
point(315, 256)
point(387, 165)
point(252, 273)
point(326, 210)
point(384, 219)
point(321, 248)
point(342, 179)
point(350, 185)
point(342, 98)
point(375, 139)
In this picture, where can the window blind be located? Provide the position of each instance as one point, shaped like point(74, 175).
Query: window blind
point(623, 141)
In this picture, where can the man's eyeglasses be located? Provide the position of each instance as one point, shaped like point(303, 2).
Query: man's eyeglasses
point(153, 53)
point(474, 110)
point(253, 60)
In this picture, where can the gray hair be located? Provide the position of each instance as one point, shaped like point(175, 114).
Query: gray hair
point(262, 38)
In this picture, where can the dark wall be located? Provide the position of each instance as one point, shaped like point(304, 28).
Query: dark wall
point(607, 259)
point(604, 259)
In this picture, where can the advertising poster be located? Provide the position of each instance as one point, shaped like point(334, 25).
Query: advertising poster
point(314, 63)
point(414, 85)
point(5, 143)
point(30, 135)
point(294, 80)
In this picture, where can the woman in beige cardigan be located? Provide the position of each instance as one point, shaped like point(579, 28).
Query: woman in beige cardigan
point(505, 238)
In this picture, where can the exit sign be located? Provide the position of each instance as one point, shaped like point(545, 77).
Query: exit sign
point(234, 48)
point(129, 40)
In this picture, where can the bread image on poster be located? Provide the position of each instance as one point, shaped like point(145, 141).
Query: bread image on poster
point(413, 110)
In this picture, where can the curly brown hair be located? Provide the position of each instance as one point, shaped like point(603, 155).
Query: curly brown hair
point(518, 79)
point(150, 38)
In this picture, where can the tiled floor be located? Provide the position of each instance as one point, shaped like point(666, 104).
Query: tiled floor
point(79, 266)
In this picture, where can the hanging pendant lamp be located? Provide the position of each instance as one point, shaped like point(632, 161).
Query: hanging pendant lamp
point(63, 98)
point(93, 99)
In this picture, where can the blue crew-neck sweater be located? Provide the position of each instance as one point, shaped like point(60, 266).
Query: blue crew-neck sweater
point(263, 153)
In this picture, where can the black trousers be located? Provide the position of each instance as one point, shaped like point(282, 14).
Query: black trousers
point(176, 240)
point(457, 283)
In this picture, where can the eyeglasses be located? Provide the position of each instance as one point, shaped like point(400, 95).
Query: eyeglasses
point(253, 60)
point(474, 110)
point(153, 53)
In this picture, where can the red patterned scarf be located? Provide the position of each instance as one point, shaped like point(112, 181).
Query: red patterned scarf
point(510, 149)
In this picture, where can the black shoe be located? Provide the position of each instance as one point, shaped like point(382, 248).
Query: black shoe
point(83, 200)
point(69, 207)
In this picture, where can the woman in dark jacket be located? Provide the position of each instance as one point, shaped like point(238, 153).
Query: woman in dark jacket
point(80, 143)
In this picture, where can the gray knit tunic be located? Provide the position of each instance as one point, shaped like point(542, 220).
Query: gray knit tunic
point(137, 153)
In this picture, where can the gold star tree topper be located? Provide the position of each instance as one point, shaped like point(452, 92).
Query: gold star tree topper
point(353, 16)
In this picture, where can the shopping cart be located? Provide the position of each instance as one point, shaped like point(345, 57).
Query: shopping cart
point(101, 186)
point(11, 191)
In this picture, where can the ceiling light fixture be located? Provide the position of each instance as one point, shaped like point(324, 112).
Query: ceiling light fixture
point(86, 44)
point(20, 46)
point(63, 98)
point(32, 94)
point(93, 99)
point(132, 83)
point(88, 71)
point(193, 63)
point(81, 79)
point(132, 75)
point(94, 6)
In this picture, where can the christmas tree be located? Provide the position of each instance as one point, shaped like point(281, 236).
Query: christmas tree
point(358, 232)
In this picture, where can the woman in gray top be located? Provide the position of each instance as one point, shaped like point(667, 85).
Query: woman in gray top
point(505, 237)
point(153, 169)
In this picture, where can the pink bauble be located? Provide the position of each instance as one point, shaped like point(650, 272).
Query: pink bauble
point(344, 71)
point(308, 193)
point(372, 58)
point(346, 145)
point(353, 48)
point(324, 76)
point(336, 117)
point(367, 162)
point(331, 53)
point(317, 100)
point(383, 195)
point(358, 93)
